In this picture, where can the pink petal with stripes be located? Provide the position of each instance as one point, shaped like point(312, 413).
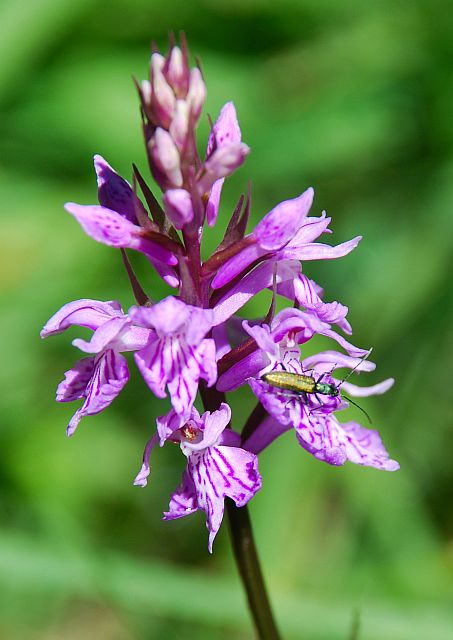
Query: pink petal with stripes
point(110, 374)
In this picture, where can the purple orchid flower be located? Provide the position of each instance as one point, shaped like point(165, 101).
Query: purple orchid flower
point(217, 466)
point(285, 233)
point(177, 354)
point(317, 429)
point(193, 342)
point(121, 221)
point(279, 344)
point(99, 378)
point(272, 254)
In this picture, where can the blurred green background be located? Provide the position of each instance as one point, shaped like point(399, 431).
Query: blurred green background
point(352, 98)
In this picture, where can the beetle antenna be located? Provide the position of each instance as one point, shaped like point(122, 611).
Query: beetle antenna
point(352, 370)
point(358, 407)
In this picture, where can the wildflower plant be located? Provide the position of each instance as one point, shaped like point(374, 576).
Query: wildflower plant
point(193, 342)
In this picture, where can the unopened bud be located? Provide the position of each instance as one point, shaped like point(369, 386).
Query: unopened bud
point(157, 62)
point(180, 124)
point(163, 99)
point(178, 207)
point(165, 155)
point(177, 72)
point(145, 88)
point(196, 94)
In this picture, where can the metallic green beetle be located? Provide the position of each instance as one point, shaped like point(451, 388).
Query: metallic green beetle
point(301, 384)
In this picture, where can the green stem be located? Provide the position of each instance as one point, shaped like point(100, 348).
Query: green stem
point(250, 571)
point(245, 549)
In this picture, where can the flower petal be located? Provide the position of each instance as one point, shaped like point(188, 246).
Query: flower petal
point(74, 385)
point(238, 263)
point(331, 360)
point(275, 403)
point(183, 501)
point(222, 163)
point(225, 130)
point(237, 375)
point(167, 316)
point(318, 251)
point(154, 363)
point(196, 95)
point(107, 335)
point(206, 357)
point(268, 431)
point(111, 228)
point(248, 286)
point(362, 392)
point(214, 424)
point(85, 313)
point(219, 472)
point(264, 339)
point(213, 203)
point(330, 312)
point(141, 480)
point(110, 374)
point(171, 422)
point(350, 441)
point(310, 229)
point(113, 191)
point(280, 225)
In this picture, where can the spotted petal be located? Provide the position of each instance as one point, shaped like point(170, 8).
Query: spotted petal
point(111, 228)
point(183, 501)
point(76, 380)
point(110, 374)
point(170, 361)
point(220, 472)
point(349, 441)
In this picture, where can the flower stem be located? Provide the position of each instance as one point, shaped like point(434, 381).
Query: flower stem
point(250, 571)
point(244, 548)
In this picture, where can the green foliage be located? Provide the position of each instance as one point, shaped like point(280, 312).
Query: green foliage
point(352, 98)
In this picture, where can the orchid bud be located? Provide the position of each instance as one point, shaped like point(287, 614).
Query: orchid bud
point(163, 99)
point(145, 88)
point(165, 155)
point(177, 72)
point(180, 124)
point(178, 207)
point(196, 95)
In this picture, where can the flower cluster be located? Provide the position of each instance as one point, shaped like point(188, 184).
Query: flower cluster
point(193, 342)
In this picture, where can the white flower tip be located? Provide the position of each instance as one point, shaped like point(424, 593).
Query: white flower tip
point(73, 208)
point(157, 61)
point(98, 159)
point(392, 465)
point(141, 479)
point(386, 385)
point(245, 148)
point(83, 345)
